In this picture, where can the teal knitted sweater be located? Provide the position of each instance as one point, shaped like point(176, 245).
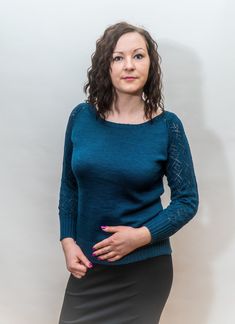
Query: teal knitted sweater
point(112, 174)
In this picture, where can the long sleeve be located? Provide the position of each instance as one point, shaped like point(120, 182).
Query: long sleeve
point(181, 180)
point(68, 196)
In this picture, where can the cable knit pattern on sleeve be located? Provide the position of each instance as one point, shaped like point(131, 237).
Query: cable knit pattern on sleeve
point(179, 171)
point(68, 196)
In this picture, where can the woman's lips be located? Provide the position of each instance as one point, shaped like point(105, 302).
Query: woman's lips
point(129, 78)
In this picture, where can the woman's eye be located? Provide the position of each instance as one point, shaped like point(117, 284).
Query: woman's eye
point(139, 55)
point(117, 58)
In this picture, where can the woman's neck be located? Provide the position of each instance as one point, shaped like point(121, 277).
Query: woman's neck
point(127, 105)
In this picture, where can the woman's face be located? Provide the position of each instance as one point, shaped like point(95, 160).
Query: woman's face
point(130, 59)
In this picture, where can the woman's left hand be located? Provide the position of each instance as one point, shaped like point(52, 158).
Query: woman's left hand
point(124, 240)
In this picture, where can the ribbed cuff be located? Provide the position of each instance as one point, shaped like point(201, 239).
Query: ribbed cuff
point(160, 228)
point(67, 228)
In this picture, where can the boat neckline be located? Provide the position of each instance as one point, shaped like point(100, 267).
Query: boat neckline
point(115, 124)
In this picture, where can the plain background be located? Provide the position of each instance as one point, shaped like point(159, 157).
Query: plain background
point(45, 51)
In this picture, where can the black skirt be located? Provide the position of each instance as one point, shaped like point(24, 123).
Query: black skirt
point(133, 293)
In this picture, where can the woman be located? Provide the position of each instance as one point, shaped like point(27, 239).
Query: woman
point(119, 144)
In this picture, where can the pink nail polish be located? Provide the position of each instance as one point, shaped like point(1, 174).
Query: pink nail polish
point(90, 265)
point(103, 227)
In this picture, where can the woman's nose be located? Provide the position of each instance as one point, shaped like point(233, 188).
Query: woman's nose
point(129, 64)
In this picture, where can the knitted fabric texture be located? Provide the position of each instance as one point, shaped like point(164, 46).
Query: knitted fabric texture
point(112, 174)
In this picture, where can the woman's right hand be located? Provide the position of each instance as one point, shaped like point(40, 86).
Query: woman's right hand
point(76, 262)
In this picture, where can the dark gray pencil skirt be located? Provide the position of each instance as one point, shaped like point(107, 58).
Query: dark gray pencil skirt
point(133, 293)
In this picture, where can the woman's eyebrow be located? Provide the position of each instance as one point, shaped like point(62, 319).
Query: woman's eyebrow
point(133, 50)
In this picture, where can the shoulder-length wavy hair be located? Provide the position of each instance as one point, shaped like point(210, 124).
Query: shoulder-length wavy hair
point(99, 86)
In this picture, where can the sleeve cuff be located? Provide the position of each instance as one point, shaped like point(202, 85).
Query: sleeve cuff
point(67, 229)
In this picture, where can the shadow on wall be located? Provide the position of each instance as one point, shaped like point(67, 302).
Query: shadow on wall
point(203, 240)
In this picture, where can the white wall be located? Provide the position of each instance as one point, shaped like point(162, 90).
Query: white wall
point(45, 52)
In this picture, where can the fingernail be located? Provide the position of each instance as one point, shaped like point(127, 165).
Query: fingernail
point(93, 248)
point(90, 265)
point(103, 227)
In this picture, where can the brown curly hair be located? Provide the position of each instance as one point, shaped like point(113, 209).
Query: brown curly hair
point(99, 85)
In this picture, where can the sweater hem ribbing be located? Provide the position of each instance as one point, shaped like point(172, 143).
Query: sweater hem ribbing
point(142, 253)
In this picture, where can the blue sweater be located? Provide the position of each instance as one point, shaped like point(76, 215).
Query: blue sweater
point(112, 174)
